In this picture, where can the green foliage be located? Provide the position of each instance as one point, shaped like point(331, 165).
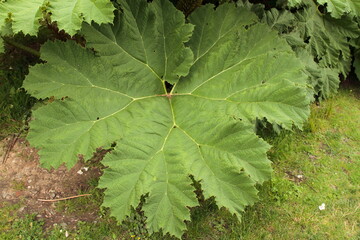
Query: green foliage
point(328, 37)
point(338, 8)
point(12, 227)
point(77, 205)
point(70, 14)
point(26, 16)
point(104, 230)
point(173, 110)
point(290, 3)
point(28, 228)
point(357, 63)
point(1, 45)
point(283, 189)
point(322, 43)
point(324, 80)
point(15, 103)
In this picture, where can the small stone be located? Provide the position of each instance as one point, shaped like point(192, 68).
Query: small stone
point(52, 195)
point(19, 176)
point(63, 225)
point(80, 172)
point(21, 209)
point(34, 192)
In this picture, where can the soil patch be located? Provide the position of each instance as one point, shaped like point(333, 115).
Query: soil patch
point(23, 181)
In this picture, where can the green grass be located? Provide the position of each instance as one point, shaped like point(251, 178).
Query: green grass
point(326, 156)
point(12, 227)
point(18, 185)
point(318, 165)
point(77, 205)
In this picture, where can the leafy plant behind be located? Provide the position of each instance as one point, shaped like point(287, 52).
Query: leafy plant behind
point(27, 16)
point(339, 8)
point(357, 64)
point(226, 70)
point(321, 42)
point(328, 37)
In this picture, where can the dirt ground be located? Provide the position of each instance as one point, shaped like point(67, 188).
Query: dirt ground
point(23, 181)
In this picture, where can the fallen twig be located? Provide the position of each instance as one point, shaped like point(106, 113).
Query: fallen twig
point(61, 199)
point(11, 144)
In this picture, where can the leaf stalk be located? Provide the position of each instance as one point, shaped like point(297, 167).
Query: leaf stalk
point(22, 47)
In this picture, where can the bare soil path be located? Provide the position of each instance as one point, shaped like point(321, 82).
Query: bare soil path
point(23, 181)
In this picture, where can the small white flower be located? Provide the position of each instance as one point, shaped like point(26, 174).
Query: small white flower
point(66, 234)
point(322, 207)
point(85, 168)
point(61, 230)
point(80, 172)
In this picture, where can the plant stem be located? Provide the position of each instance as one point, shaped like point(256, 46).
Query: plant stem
point(21, 46)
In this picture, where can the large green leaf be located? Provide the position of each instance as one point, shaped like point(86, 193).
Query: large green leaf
point(290, 3)
point(5, 31)
point(69, 14)
point(234, 71)
point(25, 15)
point(338, 8)
point(283, 21)
point(3, 13)
point(149, 40)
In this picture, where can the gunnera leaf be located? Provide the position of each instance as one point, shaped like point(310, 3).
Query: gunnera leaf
point(69, 14)
point(290, 3)
point(25, 15)
point(283, 21)
point(338, 8)
point(5, 31)
point(328, 37)
point(179, 99)
point(324, 80)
